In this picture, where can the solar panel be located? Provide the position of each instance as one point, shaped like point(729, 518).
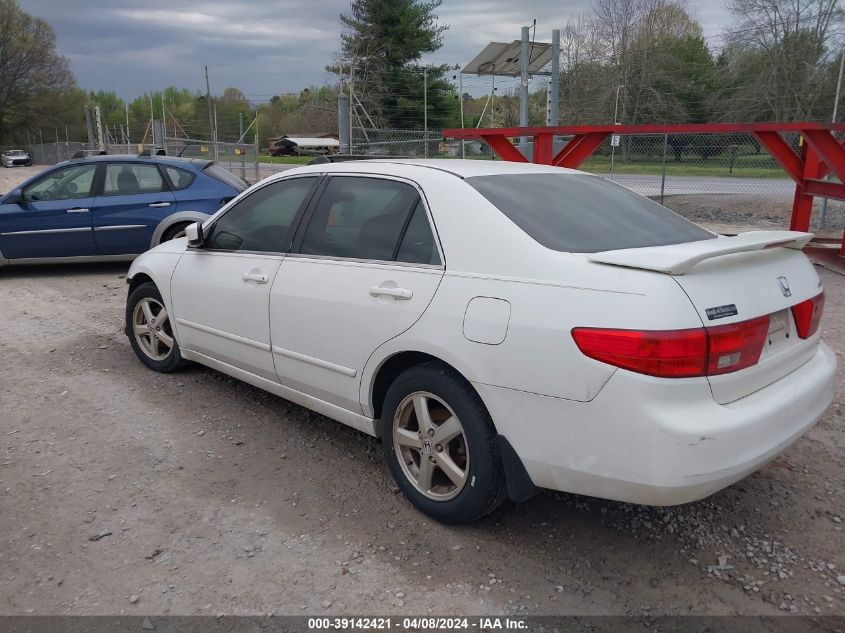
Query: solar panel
point(502, 59)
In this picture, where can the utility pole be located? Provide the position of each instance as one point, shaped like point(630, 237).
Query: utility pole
point(823, 216)
point(554, 104)
point(163, 124)
point(461, 98)
point(128, 145)
point(343, 123)
point(208, 101)
point(523, 87)
point(240, 139)
point(351, 101)
point(216, 150)
point(425, 108)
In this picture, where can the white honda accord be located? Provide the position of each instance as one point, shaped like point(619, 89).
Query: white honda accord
point(503, 327)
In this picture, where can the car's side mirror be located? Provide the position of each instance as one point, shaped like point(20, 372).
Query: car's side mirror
point(194, 234)
point(14, 197)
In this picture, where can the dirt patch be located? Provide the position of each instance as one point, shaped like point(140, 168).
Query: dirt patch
point(123, 490)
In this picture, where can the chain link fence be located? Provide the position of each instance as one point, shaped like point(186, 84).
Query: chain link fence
point(402, 143)
point(242, 159)
point(727, 181)
point(723, 180)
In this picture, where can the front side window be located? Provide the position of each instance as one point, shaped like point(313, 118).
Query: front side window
point(63, 184)
point(126, 179)
point(359, 218)
point(579, 213)
point(262, 221)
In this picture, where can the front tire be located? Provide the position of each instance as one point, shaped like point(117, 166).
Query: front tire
point(177, 230)
point(438, 442)
point(150, 330)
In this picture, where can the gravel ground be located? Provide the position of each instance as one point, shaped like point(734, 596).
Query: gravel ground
point(126, 491)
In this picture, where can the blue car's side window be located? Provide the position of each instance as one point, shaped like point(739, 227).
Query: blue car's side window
point(62, 184)
point(179, 178)
point(124, 179)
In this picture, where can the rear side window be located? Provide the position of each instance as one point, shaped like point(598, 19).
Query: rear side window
point(359, 218)
point(578, 213)
point(179, 178)
point(221, 174)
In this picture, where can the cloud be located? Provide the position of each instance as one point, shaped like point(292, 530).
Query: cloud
point(262, 47)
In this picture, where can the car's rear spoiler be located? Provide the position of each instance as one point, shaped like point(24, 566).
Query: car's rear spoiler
point(677, 259)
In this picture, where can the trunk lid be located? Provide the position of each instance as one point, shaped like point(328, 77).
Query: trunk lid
point(729, 280)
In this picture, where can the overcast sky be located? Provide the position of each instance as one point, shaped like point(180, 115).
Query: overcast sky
point(267, 47)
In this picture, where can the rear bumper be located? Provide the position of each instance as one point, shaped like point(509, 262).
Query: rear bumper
point(658, 442)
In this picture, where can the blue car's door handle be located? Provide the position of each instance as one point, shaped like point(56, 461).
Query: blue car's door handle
point(78, 210)
point(158, 205)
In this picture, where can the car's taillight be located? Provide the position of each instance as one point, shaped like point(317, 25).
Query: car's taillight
point(808, 315)
point(677, 353)
point(736, 346)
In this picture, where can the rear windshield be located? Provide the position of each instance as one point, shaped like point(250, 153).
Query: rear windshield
point(578, 213)
point(225, 176)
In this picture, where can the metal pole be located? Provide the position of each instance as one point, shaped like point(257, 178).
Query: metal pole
point(615, 122)
point(554, 119)
point(351, 101)
point(343, 123)
point(240, 136)
point(57, 142)
point(523, 87)
point(461, 97)
point(823, 217)
point(257, 161)
point(208, 101)
point(128, 144)
point(216, 150)
point(425, 109)
point(663, 170)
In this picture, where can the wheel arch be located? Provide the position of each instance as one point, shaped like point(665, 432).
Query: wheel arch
point(519, 485)
point(180, 217)
point(393, 365)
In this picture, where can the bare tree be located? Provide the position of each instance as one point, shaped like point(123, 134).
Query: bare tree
point(33, 77)
point(777, 58)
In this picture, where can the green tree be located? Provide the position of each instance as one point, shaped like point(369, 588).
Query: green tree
point(382, 45)
point(36, 84)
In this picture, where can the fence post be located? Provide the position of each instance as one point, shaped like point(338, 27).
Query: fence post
point(257, 150)
point(663, 169)
point(343, 130)
point(241, 140)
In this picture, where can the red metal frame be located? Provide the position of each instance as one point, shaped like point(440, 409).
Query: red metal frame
point(821, 153)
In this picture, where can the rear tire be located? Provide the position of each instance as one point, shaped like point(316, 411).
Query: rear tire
point(150, 330)
point(438, 442)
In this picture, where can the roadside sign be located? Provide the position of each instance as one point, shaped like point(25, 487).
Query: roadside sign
point(614, 140)
point(203, 149)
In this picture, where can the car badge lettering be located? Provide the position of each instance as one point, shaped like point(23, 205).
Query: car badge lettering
point(784, 286)
point(720, 312)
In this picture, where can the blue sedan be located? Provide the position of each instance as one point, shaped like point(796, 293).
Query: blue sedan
point(109, 207)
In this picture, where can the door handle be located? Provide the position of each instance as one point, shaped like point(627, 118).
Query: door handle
point(400, 294)
point(159, 205)
point(256, 277)
point(78, 210)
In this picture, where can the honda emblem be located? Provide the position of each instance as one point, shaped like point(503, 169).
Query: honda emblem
point(784, 286)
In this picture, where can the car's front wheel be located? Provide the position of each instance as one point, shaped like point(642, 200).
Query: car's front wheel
point(150, 330)
point(438, 442)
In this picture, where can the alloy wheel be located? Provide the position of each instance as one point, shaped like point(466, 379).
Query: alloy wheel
point(431, 446)
point(152, 328)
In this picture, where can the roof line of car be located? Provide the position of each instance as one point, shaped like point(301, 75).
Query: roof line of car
point(404, 162)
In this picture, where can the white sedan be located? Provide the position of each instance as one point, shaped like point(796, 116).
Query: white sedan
point(503, 327)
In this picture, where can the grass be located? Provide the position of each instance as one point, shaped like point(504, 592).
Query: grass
point(743, 168)
point(286, 160)
point(746, 166)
